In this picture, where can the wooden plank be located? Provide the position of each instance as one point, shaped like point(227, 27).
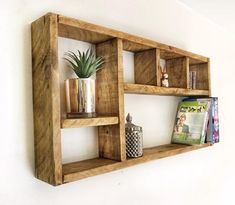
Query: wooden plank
point(72, 23)
point(82, 34)
point(145, 64)
point(177, 72)
point(110, 99)
point(187, 72)
point(46, 100)
point(196, 61)
point(155, 90)
point(202, 75)
point(167, 55)
point(209, 77)
point(79, 170)
point(135, 47)
point(85, 122)
point(77, 29)
point(159, 70)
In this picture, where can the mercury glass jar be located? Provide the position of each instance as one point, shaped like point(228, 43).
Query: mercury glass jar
point(134, 138)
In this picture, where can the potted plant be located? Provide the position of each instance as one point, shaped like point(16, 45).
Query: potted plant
point(80, 92)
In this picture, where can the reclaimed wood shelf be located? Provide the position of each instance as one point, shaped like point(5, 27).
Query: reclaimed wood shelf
point(110, 44)
point(83, 169)
point(156, 90)
point(87, 122)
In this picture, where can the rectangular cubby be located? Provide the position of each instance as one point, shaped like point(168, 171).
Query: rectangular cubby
point(202, 74)
point(177, 72)
point(110, 89)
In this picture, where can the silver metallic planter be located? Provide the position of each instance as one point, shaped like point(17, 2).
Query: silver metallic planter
point(134, 139)
point(80, 97)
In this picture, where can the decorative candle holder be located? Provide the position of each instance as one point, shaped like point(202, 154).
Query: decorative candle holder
point(134, 138)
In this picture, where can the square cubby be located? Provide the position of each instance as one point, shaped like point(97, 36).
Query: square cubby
point(141, 61)
point(175, 65)
point(198, 74)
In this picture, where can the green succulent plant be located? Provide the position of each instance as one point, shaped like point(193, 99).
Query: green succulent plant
point(84, 64)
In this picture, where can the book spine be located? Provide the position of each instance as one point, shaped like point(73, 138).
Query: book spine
point(209, 131)
point(204, 128)
point(215, 114)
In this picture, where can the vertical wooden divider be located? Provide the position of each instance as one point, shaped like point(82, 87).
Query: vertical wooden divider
point(46, 99)
point(158, 68)
point(187, 72)
point(146, 63)
point(209, 76)
point(110, 99)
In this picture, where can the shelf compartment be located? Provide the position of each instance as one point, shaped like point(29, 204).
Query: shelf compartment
point(83, 169)
point(177, 71)
point(87, 122)
point(202, 74)
point(155, 90)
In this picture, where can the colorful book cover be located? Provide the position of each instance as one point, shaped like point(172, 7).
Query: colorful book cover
point(212, 134)
point(215, 119)
point(209, 132)
point(191, 122)
point(209, 127)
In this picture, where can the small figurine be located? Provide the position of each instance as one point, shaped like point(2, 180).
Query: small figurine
point(164, 79)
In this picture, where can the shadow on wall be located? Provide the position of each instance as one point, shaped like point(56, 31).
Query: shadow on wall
point(28, 98)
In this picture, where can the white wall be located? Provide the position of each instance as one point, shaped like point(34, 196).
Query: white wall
point(201, 177)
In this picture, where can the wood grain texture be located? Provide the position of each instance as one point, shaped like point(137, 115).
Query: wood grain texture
point(86, 122)
point(109, 99)
point(81, 30)
point(187, 72)
point(155, 90)
point(209, 77)
point(82, 34)
point(159, 70)
point(135, 47)
point(46, 100)
point(145, 64)
point(79, 170)
point(202, 78)
point(177, 71)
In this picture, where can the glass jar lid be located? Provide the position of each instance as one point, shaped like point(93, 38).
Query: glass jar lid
point(130, 126)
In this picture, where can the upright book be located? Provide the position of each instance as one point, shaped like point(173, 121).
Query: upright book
point(191, 122)
point(212, 133)
point(215, 120)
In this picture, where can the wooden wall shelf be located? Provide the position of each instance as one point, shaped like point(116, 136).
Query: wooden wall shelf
point(109, 43)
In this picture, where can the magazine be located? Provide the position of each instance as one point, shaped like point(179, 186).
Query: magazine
point(212, 132)
point(191, 122)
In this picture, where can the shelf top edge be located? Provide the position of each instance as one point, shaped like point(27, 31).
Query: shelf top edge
point(73, 22)
point(157, 90)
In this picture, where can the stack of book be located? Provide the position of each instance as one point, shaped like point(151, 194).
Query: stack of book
point(197, 121)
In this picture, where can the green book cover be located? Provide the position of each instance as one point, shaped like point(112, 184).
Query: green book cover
point(191, 122)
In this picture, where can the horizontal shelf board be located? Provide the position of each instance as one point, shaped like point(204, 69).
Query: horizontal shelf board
point(155, 90)
point(86, 122)
point(79, 170)
point(84, 31)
